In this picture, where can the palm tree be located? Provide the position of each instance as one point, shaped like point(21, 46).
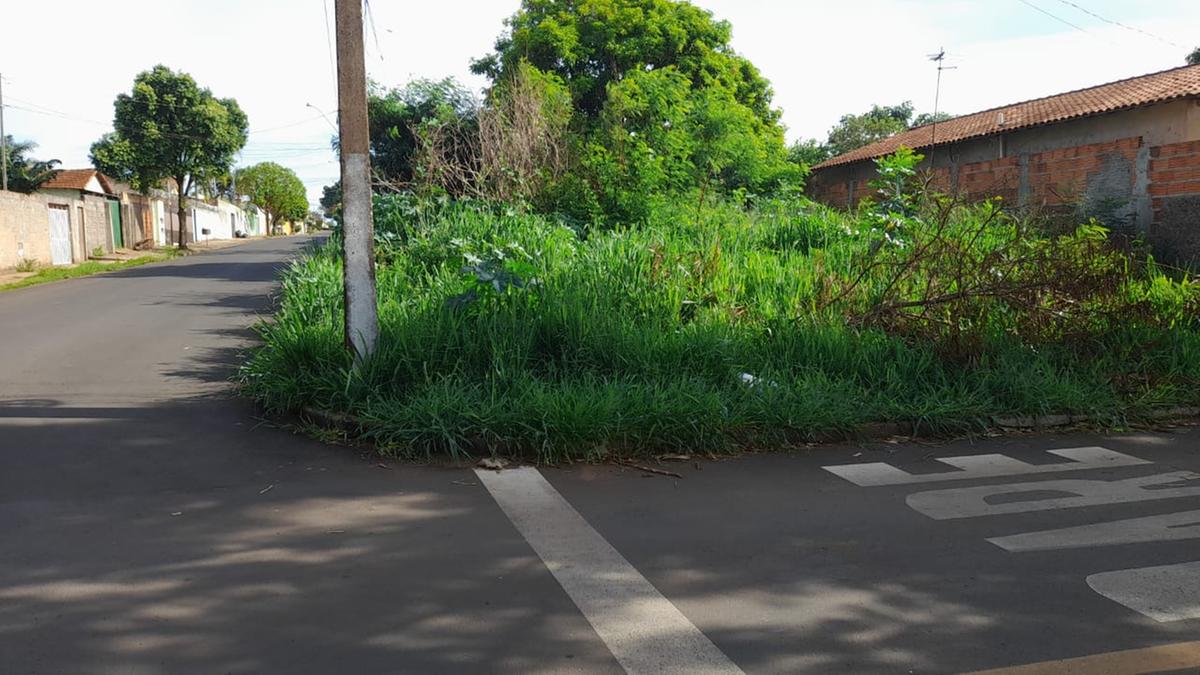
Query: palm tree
point(26, 174)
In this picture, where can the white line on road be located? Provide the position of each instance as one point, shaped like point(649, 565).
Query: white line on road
point(1167, 527)
point(1164, 593)
point(642, 629)
point(983, 466)
point(992, 500)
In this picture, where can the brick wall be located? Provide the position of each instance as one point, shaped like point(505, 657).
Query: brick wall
point(24, 229)
point(1081, 175)
point(993, 178)
point(1175, 198)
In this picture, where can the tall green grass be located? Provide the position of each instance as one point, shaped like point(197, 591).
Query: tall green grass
point(705, 331)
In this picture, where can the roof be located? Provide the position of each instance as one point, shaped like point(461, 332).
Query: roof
point(1134, 92)
point(77, 179)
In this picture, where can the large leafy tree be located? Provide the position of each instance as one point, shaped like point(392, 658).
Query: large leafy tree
point(854, 131)
point(276, 189)
point(593, 43)
point(168, 127)
point(397, 115)
point(26, 174)
point(1193, 59)
point(662, 103)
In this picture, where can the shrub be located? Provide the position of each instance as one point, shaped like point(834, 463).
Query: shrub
point(723, 327)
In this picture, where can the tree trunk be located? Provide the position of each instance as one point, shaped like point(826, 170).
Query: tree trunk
point(270, 224)
point(182, 238)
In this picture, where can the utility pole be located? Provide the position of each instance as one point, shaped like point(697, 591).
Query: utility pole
point(3, 142)
point(358, 269)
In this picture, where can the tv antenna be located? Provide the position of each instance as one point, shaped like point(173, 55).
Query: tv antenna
point(940, 59)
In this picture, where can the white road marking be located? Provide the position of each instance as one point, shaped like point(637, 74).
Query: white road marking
point(983, 466)
point(1168, 527)
point(642, 629)
point(1164, 593)
point(1050, 495)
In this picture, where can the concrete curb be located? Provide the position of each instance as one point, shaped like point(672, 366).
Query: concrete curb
point(873, 431)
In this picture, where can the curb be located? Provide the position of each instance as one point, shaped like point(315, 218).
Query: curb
point(872, 431)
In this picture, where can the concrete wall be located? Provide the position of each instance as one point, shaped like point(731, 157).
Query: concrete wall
point(206, 223)
point(24, 229)
point(91, 228)
point(1135, 170)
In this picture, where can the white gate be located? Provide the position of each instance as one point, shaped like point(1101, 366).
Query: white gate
point(60, 234)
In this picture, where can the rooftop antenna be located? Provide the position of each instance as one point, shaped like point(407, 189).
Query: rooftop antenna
point(940, 59)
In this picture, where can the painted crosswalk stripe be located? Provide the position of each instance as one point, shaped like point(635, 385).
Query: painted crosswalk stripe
point(1163, 593)
point(1167, 527)
point(994, 500)
point(643, 630)
point(983, 466)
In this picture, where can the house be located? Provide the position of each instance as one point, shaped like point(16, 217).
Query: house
point(85, 215)
point(1126, 152)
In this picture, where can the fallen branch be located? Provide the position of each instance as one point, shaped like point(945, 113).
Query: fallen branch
point(647, 469)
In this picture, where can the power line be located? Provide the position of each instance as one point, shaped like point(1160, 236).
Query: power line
point(329, 40)
point(1053, 16)
point(1064, 21)
point(1118, 23)
point(375, 33)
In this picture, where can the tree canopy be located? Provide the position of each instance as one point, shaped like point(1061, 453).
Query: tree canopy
point(593, 43)
point(854, 131)
point(1193, 59)
point(26, 174)
point(168, 127)
point(662, 104)
point(275, 189)
point(396, 116)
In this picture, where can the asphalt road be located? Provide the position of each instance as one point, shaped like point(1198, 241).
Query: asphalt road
point(150, 522)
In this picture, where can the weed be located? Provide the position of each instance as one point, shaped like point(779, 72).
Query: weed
point(645, 339)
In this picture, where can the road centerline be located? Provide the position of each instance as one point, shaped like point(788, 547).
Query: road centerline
point(645, 632)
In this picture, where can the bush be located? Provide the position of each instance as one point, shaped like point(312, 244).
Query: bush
point(722, 327)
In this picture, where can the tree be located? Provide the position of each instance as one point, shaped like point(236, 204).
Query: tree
point(809, 152)
point(26, 174)
point(661, 103)
point(397, 115)
point(1193, 59)
point(855, 131)
point(168, 127)
point(275, 189)
point(929, 118)
point(591, 44)
point(331, 200)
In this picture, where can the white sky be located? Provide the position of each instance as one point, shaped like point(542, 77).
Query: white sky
point(64, 61)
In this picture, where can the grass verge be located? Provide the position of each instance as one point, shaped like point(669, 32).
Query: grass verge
point(48, 274)
point(726, 329)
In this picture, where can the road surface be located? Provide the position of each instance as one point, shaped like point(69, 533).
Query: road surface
point(154, 523)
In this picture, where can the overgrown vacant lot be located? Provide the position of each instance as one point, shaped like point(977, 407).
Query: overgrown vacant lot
point(726, 327)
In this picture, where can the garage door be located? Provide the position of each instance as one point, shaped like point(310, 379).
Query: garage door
point(60, 235)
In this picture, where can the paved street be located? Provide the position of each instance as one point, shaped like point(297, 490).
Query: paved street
point(153, 523)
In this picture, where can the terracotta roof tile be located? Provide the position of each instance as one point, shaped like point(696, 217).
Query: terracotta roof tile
point(1137, 91)
point(77, 179)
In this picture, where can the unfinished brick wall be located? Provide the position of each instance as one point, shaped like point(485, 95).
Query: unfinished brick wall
point(1121, 182)
point(1175, 198)
point(983, 180)
point(1082, 175)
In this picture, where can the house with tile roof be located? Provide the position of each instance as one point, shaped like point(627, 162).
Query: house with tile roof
point(85, 198)
point(1126, 152)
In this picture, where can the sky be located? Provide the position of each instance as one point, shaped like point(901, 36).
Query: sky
point(824, 58)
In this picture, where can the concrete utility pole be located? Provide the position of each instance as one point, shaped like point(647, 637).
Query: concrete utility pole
point(362, 320)
point(3, 142)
